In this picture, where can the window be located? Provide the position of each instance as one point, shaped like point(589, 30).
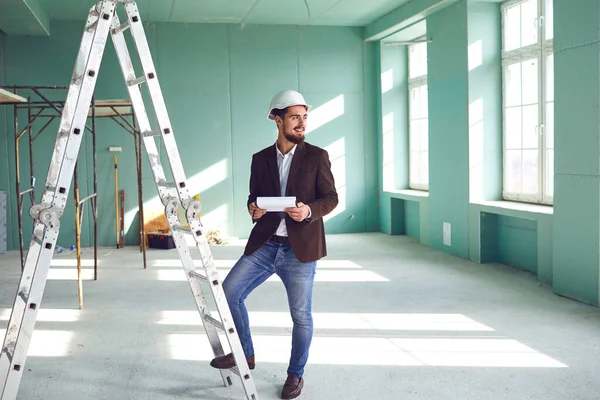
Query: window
point(528, 101)
point(418, 116)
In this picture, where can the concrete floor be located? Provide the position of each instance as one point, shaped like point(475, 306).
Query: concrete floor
point(393, 320)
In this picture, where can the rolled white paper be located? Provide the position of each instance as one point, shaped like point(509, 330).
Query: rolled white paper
point(275, 203)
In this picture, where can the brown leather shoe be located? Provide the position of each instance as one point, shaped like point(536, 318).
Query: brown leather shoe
point(228, 361)
point(292, 387)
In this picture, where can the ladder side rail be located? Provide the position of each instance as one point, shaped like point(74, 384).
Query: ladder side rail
point(73, 94)
point(225, 316)
point(195, 286)
point(141, 115)
point(171, 203)
point(47, 214)
point(162, 116)
point(192, 206)
point(196, 227)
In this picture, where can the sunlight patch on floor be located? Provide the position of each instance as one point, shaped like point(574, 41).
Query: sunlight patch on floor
point(70, 274)
point(72, 262)
point(47, 315)
point(47, 343)
point(357, 321)
point(451, 352)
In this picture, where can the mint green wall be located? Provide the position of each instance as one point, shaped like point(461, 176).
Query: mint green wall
point(405, 217)
point(447, 78)
point(398, 217)
point(370, 137)
point(517, 239)
point(413, 222)
point(485, 105)
point(509, 240)
point(217, 91)
point(488, 232)
point(577, 149)
point(38, 61)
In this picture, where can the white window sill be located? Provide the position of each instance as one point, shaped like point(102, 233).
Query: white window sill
point(407, 193)
point(528, 208)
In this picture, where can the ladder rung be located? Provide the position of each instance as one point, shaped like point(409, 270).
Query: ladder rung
point(183, 229)
point(167, 184)
point(151, 133)
point(198, 275)
point(213, 321)
point(123, 27)
point(136, 81)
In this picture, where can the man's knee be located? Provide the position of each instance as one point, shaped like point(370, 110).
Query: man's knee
point(230, 289)
point(301, 316)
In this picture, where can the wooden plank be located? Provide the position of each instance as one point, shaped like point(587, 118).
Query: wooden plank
point(107, 108)
point(8, 97)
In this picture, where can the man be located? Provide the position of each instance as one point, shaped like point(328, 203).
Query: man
point(287, 244)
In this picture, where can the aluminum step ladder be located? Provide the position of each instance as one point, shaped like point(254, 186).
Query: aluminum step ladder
point(101, 21)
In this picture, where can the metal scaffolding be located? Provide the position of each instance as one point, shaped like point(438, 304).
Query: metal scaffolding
point(20, 97)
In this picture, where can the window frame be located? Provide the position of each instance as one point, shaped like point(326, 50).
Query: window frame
point(540, 51)
point(416, 83)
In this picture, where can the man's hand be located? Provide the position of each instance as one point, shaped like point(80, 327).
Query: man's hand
point(256, 212)
point(298, 213)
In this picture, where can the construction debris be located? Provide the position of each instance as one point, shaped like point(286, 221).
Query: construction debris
point(214, 237)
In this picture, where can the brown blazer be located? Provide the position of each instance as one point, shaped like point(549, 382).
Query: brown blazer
point(311, 181)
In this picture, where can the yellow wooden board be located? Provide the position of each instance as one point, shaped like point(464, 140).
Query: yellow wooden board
point(111, 108)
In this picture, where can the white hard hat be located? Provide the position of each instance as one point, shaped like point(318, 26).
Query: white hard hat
point(284, 99)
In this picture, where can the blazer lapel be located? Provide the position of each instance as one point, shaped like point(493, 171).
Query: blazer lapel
point(274, 169)
point(296, 162)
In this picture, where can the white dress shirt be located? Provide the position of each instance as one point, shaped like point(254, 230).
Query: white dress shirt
point(284, 162)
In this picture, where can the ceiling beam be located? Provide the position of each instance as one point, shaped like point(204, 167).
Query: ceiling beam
point(24, 17)
point(402, 17)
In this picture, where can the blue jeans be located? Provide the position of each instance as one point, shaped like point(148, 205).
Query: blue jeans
point(250, 271)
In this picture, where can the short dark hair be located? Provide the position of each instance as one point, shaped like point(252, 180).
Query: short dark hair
point(279, 112)
point(282, 112)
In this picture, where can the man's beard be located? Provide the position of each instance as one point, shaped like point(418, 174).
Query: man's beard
point(296, 139)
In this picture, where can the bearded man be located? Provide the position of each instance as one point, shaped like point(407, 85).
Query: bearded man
point(285, 243)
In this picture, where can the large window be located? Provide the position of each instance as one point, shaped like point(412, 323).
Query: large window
point(528, 98)
point(418, 116)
